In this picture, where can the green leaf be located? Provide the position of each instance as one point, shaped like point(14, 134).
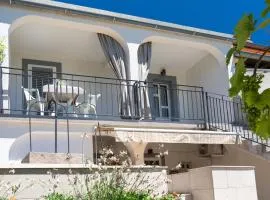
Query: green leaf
point(264, 99)
point(265, 23)
point(230, 54)
point(267, 9)
point(238, 77)
point(263, 126)
point(243, 30)
point(265, 12)
point(251, 97)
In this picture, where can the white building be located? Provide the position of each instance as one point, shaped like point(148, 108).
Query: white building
point(121, 81)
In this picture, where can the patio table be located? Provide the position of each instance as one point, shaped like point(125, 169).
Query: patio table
point(62, 93)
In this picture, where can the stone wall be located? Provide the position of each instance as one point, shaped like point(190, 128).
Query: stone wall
point(38, 179)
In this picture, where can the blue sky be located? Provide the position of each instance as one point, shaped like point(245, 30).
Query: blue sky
point(216, 15)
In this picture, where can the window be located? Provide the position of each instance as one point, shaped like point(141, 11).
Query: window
point(40, 75)
point(161, 101)
point(163, 97)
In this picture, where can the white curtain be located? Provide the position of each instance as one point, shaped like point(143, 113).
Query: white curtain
point(144, 59)
point(116, 57)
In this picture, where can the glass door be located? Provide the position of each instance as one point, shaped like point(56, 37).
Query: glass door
point(161, 101)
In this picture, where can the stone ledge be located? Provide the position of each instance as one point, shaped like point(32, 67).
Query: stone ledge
point(52, 158)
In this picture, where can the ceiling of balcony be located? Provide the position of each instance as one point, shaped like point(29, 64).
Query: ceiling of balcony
point(175, 56)
point(57, 41)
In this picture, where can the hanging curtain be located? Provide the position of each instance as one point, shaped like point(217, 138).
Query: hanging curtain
point(116, 57)
point(144, 59)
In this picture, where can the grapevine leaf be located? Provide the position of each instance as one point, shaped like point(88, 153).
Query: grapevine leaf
point(263, 126)
point(265, 12)
point(238, 77)
point(265, 23)
point(230, 54)
point(243, 30)
point(264, 99)
point(251, 97)
point(267, 9)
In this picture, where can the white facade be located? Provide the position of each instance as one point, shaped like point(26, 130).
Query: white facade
point(47, 35)
point(67, 35)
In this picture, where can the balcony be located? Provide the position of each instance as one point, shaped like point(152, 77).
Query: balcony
point(49, 94)
point(46, 94)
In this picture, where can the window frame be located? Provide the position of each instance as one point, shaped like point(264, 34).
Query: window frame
point(168, 107)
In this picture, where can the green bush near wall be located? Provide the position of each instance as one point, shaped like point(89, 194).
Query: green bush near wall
point(112, 194)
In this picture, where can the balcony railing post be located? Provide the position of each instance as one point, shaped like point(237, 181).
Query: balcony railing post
point(30, 132)
point(55, 125)
point(206, 111)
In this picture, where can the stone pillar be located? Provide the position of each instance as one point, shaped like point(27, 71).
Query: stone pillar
point(136, 151)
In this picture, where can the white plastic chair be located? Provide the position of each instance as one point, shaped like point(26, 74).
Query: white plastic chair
point(32, 102)
point(89, 107)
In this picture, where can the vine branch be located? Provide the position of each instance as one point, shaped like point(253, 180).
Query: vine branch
point(260, 60)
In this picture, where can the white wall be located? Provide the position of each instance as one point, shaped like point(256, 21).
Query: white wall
point(5, 144)
point(236, 156)
point(217, 183)
point(210, 75)
point(14, 137)
point(44, 142)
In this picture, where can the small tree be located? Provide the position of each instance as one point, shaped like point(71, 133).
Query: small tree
point(256, 104)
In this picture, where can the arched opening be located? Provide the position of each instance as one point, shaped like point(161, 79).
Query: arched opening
point(45, 50)
point(44, 142)
point(179, 72)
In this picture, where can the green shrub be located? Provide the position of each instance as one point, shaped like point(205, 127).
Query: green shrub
point(58, 196)
point(110, 194)
point(114, 193)
point(167, 197)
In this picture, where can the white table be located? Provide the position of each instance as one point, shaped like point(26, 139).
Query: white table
point(62, 93)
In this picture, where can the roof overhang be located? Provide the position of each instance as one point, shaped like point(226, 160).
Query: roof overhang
point(121, 18)
point(152, 135)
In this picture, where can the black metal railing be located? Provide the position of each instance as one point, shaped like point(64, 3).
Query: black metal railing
point(89, 97)
point(226, 114)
